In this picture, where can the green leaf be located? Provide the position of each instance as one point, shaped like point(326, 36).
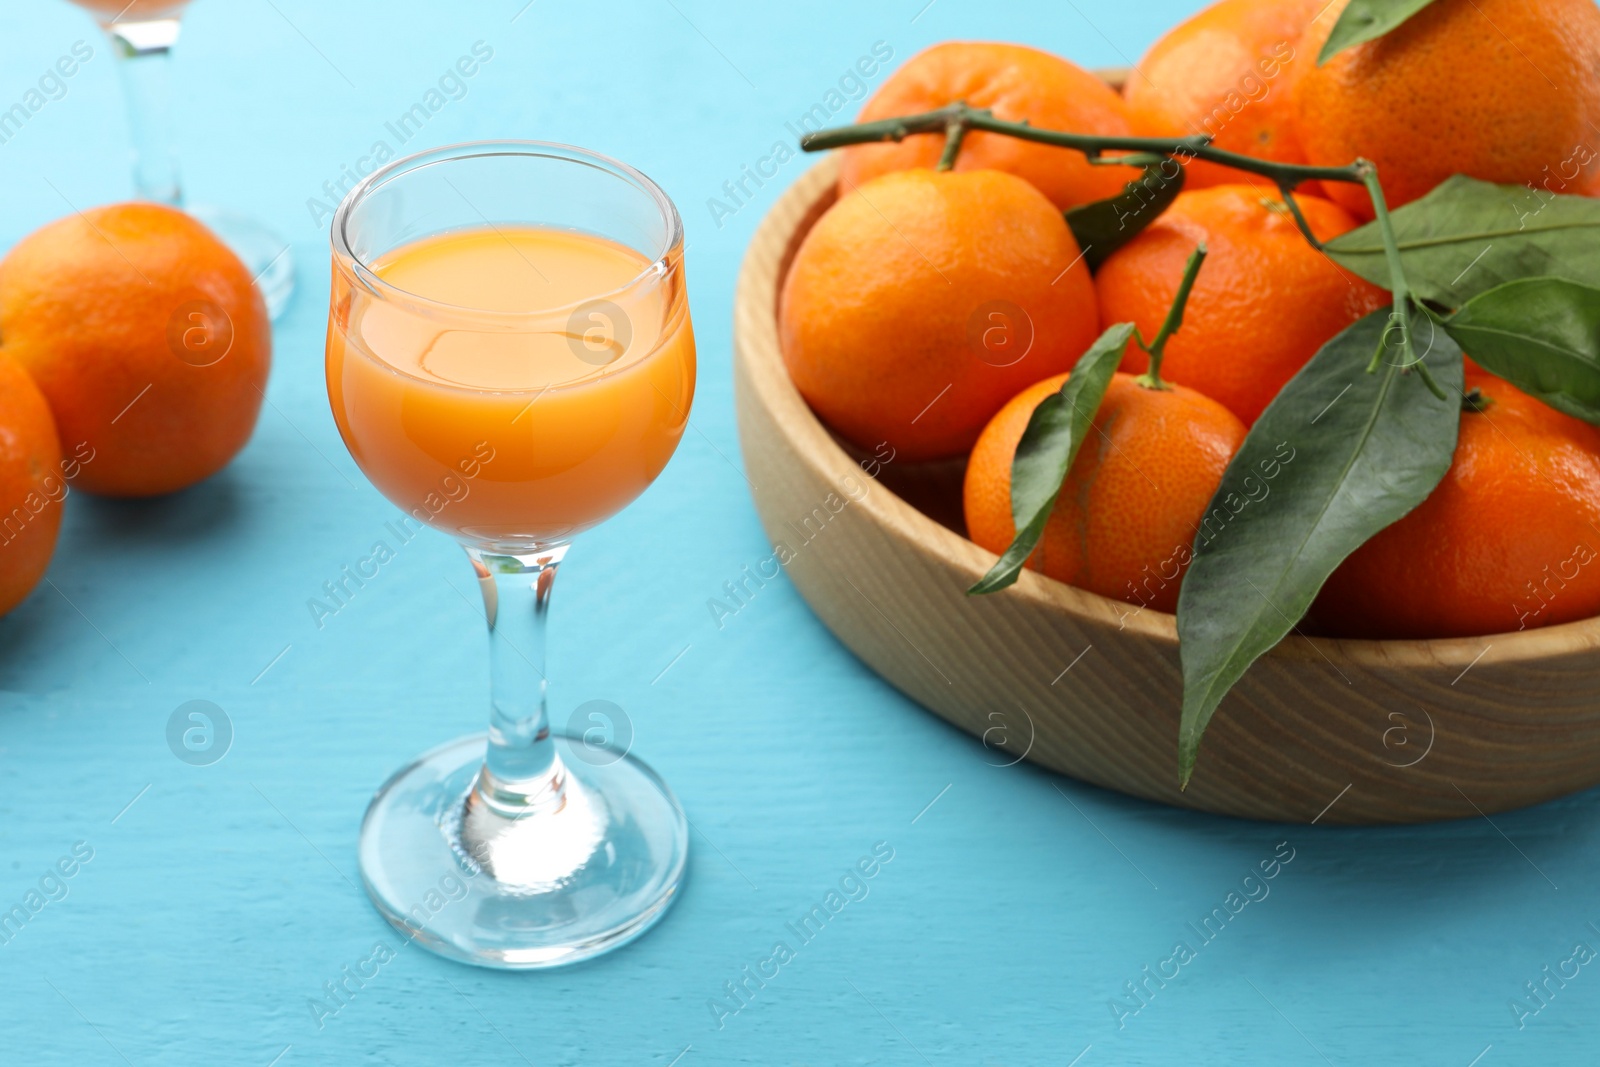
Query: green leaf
point(1057, 429)
point(1339, 455)
point(1540, 334)
point(1468, 236)
point(1365, 20)
point(1104, 226)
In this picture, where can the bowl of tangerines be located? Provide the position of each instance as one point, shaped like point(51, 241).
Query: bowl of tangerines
point(1227, 434)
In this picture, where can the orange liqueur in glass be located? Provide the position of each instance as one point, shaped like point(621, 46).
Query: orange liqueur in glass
point(510, 423)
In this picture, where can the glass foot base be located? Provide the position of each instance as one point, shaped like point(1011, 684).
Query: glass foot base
point(264, 253)
point(561, 884)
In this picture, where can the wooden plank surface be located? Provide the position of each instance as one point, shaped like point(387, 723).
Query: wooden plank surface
point(221, 900)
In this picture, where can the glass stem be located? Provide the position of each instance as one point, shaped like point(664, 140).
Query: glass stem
point(522, 771)
point(143, 59)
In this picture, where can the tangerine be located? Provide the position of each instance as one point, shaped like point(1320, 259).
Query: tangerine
point(924, 300)
point(146, 336)
point(1502, 90)
point(1509, 540)
point(1264, 305)
point(31, 485)
point(1228, 72)
point(1133, 501)
point(1018, 84)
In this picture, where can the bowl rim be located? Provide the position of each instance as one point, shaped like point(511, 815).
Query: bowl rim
point(756, 348)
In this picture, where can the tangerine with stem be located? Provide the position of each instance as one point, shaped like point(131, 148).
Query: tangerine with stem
point(955, 119)
point(1267, 301)
point(1502, 90)
point(1133, 501)
point(1014, 82)
point(922, 301)
point(1228, 72)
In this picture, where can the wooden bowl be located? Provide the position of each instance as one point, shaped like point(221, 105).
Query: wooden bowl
point(1318, 730)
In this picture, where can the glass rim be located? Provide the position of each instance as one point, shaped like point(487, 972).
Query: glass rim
point(345, 256)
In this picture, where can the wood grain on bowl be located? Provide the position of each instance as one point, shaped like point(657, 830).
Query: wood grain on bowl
point(1318, 730)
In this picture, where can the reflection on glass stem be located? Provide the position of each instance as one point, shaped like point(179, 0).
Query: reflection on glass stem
point(522, 771)
point(143, 50)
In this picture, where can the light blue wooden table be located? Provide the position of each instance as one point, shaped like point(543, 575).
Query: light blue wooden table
point(220, 903)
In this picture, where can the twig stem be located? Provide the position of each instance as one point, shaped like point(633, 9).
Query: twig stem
point(956, 119)
point(1157, 349)
point(955, 131)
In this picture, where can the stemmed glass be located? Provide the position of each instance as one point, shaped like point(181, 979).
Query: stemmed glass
point(142, 34)
point(510, 360)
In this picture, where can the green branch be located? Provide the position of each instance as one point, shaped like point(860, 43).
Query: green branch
point(956, 119)
point(955, 131)
point(1198, 146)
point(1299, 217)
point(1157, 349)
point(1397, 282)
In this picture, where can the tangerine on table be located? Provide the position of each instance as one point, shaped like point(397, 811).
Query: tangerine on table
point(1509, 540)
point(31, 485)
point(1016, 82)
point(1263, 306)
point(1502, 90)
point(1227, 72)
point(924, 300)
point(146, 336)
point(1133, 501)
